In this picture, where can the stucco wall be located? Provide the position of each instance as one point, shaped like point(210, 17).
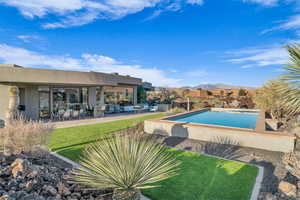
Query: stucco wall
point(244, 138)
point(3, 101)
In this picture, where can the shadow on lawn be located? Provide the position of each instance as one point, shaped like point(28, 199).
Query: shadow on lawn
point(74, 145)
point(202, 178)
point(223, 147)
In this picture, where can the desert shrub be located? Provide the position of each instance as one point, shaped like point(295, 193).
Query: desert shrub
point(217, 103)
point(199, 105)
point(177, 110)
point(270, 98)
point(126, 164)
point(242, 92)
point(20, 135)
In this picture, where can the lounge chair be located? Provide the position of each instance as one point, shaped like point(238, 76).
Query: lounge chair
point(128, 109)
point(66, 115)
point(76, 114)
point(153, 108)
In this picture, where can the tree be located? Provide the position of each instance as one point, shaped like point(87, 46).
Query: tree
point(141, 94)
point(126, 163)
point(209, 93)
point(222, 92)
point(242, 92)
point(270, 99)
point(167, 95)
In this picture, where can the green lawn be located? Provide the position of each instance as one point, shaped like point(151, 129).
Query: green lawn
point(70, 142)
point(206, 178)
point(200, 177)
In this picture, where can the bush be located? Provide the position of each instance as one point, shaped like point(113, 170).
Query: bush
point(217, 103)
point(177, 110)
point(21, 136)
point(242, 92)
point(199, 105)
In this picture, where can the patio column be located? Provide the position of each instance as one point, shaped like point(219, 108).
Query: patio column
point(102, 102)
point(134, 95)
point(51, 101)
point(92, 96)
point(13, 102)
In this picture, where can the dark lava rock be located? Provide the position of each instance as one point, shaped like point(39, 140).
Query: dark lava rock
point(42, 177)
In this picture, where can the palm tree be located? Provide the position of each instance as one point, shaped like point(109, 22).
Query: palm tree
point(291, 92)
point(126, 164)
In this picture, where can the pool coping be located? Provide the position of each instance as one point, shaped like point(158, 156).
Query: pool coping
point(255, 189)
point(260, 123)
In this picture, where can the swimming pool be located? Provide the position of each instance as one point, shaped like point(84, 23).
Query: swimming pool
point(230, 118)
point(239, 126)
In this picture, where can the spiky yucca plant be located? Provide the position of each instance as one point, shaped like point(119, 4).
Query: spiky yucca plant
point(125, 164)
point(291, 93)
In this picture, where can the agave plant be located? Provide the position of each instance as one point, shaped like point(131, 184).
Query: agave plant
point(126, 164)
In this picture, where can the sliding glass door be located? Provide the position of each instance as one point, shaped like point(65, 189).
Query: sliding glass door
point(69, 98)
point(44, 103)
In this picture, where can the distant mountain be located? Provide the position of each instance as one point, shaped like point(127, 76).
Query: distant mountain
point(217, 86)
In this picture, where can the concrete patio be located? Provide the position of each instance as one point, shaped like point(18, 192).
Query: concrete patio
point(107, 118)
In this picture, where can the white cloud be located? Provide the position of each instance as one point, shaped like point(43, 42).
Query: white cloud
point(80, 12)
point(264, 2)
point(40, 8)
point(87, 62)
point(292, 23)
point(28, 38)
point(259, 56)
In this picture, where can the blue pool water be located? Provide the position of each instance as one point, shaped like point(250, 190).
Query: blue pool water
point(239, 119)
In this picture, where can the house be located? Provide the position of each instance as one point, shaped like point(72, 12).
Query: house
point(43, 92)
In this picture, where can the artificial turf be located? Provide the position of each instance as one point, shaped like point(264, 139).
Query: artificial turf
point(201, 177)
point(70, 142)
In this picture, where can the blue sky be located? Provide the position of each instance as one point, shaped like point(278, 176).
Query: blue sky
point(167, 42)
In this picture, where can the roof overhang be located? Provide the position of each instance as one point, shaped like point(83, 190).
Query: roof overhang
point(16, 74)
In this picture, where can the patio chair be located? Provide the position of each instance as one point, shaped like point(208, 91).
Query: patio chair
point(55, 116)
point(82, 113)
point(117, 108)
point(75, 114)
point(66, 115)
point(146, 107)
point(110, 108)
point(154, 109)
point(128, 108)
point(90, 110)
point(60, 114)
point(138, 109)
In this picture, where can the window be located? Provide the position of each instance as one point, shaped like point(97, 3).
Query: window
point(69, 98)
point(118, 95)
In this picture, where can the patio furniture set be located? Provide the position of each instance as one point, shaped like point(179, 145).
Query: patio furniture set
point(80, 112)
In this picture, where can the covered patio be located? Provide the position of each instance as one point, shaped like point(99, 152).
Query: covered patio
point(61, 95)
